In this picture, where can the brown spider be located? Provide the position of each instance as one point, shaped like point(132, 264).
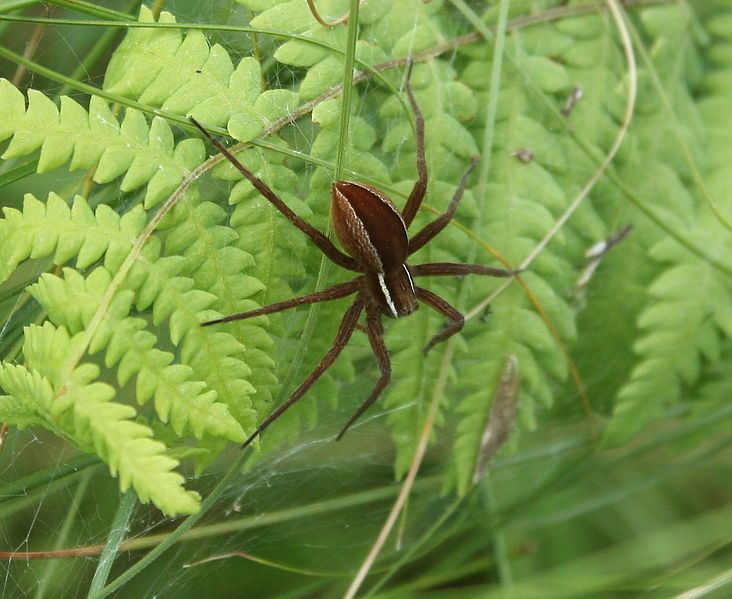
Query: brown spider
point(374, 233)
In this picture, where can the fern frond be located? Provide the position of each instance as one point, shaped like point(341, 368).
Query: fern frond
point(689, 312)
point(70, 402)
point(188, 394)
point(521, 202)
point(54, 229)
point(280, 254)
point(71, 301)
point(30, 396)
point(213, 263)
point(184, 75)
point(679, 331)
point(138, 460)
point(144, 154)
point(41, 230)
point(324, 68)
point(180, 399)
point(216, 357)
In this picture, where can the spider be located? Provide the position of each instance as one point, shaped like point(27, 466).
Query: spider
point(374, 234)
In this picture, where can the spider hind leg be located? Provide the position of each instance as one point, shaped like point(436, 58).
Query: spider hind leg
point(375, 331)
point(345, 330)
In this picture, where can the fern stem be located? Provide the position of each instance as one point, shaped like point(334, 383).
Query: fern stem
point(117, 533)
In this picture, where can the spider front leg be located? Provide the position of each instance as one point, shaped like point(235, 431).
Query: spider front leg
point(345, 330)
point(456, 320)
point(420, 187)
point(375, 331)
point(331, 293)
point(319, 239)
point(457, 269)
point(437, 225)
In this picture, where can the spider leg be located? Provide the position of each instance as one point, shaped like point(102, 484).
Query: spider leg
point(456, 320)
point(420, 187)
point(345, 330)
point(449, 268)
point(331, 293)
point(376, 338)
point(437, 225)
point(324, 244)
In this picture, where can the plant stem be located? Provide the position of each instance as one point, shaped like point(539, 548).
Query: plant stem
point(117, 533)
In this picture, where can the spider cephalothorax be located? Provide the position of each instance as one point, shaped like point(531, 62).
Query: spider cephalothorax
point(374, 234)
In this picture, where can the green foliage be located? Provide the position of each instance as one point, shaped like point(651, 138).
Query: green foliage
point(121, 292)
point(66, 398)
point(184, 75)
point(688, 316)
point(144, 153)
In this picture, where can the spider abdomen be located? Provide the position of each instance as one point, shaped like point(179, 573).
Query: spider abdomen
point(372, 230)
point(369, 226)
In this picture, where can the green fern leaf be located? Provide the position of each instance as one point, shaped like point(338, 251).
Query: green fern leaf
point(184, 75)
point(54, 229)
point(146, 155)
point(71, 403)
point(212, 263)
point(688, 316)
point(179, 398)
point(138, 460)
point(30, 395)
point(323, 67)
